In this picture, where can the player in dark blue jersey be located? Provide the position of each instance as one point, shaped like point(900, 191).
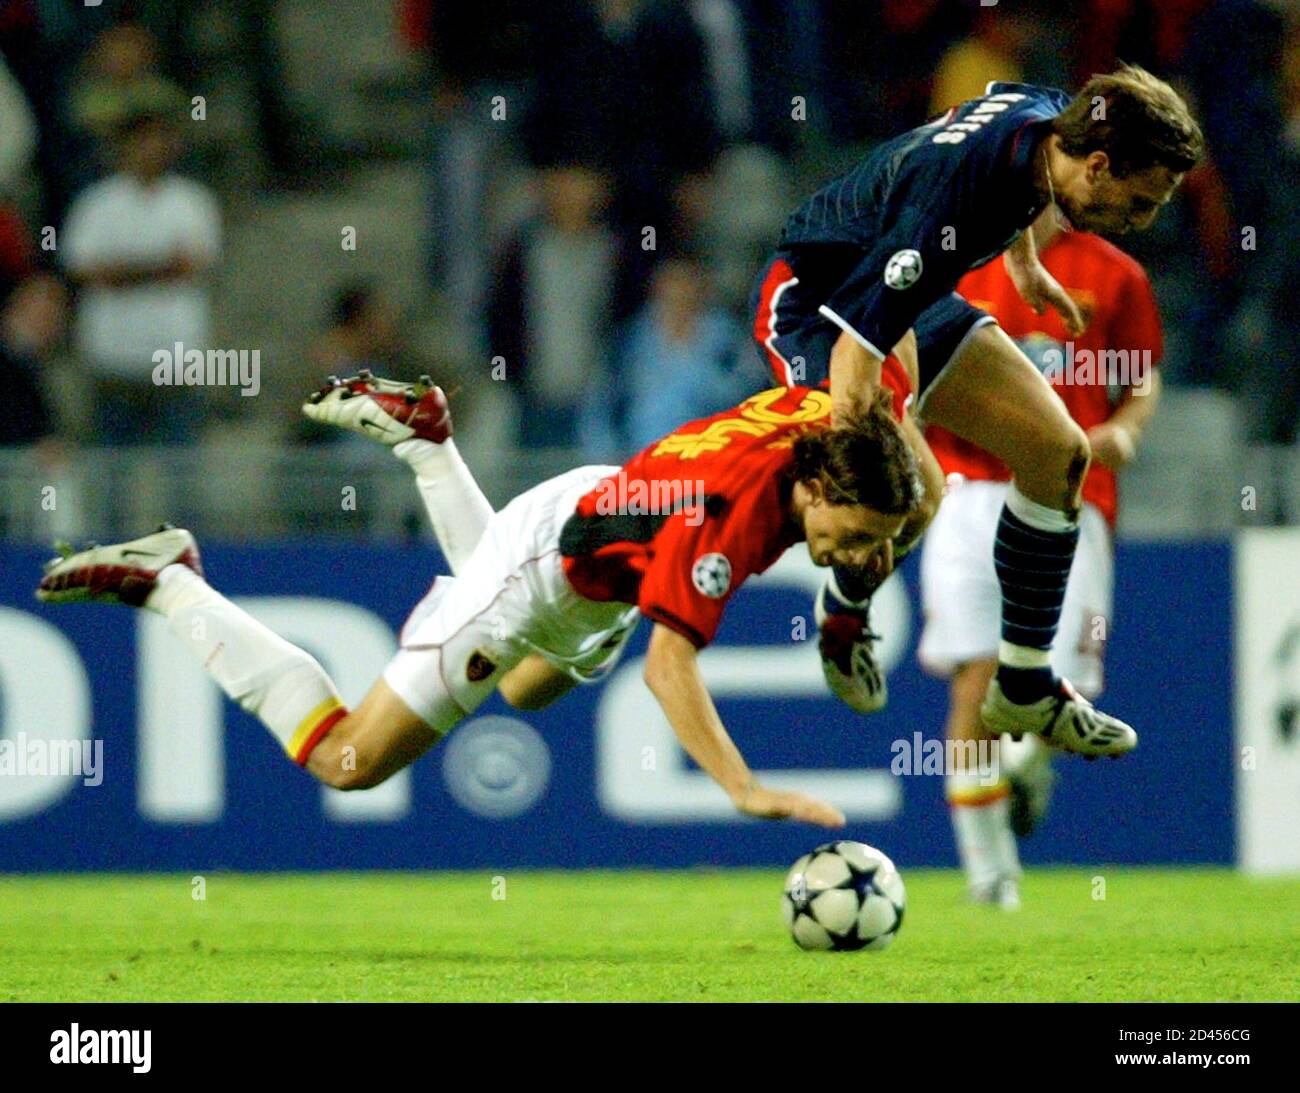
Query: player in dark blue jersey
point(869, 264)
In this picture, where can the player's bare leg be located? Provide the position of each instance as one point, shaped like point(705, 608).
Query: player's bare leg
point(371, 743)
point(979, 795)
point(996, 397)
point(534, 683)
point(415, 420)
point(283, 686)
point(992, 395)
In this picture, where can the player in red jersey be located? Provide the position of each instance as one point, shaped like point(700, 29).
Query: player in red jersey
point(1107, 380)
point(546, 591)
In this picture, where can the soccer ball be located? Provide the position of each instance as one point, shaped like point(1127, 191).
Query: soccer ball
point(843, 896)
point(903, 269)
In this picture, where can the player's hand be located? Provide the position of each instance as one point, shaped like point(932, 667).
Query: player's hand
point(1113, 445)
point(775, 804)
point(1040, 290)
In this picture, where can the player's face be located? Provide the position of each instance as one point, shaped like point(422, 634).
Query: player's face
point(847, 535)
point(1100, 202)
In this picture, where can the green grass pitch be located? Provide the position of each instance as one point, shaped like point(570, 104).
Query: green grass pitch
point(1167, 935)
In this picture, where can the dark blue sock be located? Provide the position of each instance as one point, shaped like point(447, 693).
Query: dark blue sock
point(1032, 566)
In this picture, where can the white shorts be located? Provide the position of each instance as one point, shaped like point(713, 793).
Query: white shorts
point(510, 599)
point(962, 602)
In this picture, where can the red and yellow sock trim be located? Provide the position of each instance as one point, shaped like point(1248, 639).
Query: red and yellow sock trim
point(312, 729)
point(977, 796)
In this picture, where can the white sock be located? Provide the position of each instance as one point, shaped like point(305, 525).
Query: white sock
point(1036, 515)
point(981, 822)
point(456, 506)
point(283, 686)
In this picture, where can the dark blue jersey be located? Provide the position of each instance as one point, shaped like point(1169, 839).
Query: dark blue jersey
point(879, 245)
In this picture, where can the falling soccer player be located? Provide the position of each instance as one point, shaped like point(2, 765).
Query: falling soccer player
point(546, 591)
point(879, 252)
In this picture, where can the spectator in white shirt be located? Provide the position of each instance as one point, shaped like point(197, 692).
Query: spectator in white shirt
point(138, 245)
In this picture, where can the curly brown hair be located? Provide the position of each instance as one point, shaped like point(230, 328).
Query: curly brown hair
point(866, 461)
point(1139, 121)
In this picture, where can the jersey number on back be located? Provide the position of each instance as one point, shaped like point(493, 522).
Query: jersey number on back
point(755, 417)
point(973, 122)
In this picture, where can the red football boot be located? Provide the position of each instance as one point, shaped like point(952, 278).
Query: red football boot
point(386, 410)
point(120, 573)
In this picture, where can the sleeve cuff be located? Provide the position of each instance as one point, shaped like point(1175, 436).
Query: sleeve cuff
point(843, 324)
point(676, 623)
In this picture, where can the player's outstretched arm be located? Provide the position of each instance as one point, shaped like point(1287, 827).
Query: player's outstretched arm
point(672, 673)
point(855, 378)
point(1036, 286)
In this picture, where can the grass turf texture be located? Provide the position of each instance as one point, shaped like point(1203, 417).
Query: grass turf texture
point(1169, 935)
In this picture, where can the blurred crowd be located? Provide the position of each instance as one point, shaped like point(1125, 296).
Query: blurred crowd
point(604, 179)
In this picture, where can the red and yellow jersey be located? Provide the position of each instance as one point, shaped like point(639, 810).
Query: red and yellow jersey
point(685, 521)
point(1122, 340)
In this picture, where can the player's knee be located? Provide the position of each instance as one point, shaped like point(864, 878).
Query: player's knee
point(1067, 452)
point(337, 767)
point(352, 770)
point(1057, 451)
point(363, 776)
point(1079, 457)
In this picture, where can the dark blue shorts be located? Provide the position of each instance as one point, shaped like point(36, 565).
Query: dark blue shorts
point(795, 338)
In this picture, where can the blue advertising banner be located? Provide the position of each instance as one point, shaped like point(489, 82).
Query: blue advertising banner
point(186, 781)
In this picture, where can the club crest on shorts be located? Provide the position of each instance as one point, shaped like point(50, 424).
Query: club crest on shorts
point(711, 575)
point(479, 667)
point(903, 269)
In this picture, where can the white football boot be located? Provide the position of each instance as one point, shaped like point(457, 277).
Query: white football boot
point(385, 410)
point(1063, 718)
point(1003, 892)
point(849, 663)
point(119, 573)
